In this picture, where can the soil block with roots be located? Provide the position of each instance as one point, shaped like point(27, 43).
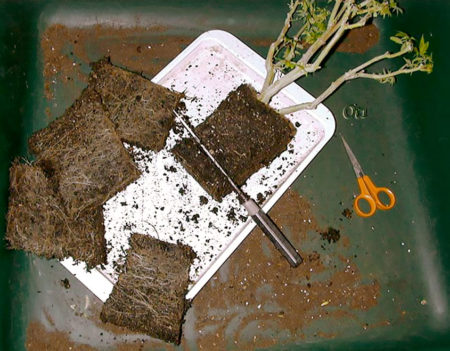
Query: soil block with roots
point(149, 296)
point(37, 223)
point(140, 109)
point(243, 134)
point(84, 155)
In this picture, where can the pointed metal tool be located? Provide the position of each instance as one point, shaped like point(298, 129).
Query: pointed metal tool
point(258, 215)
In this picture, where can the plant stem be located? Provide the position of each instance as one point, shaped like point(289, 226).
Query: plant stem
point(295, 40)
point(357, 72)
point(303, 67)
point(270, 71)
point(336, 6)
point(338, 35)
point(378, 76)
point(313, 104)
point(268, 92)
point(362, 22)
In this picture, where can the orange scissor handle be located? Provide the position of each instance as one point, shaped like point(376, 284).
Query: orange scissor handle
point(369, 200)
point(369, 192)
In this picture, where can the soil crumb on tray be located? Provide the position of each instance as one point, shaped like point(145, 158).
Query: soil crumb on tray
point(37, 223)
point(84, 155)
point(331, 235)
point(140, 109)
point(149, 296)
point(347, 213)
point(243, 134)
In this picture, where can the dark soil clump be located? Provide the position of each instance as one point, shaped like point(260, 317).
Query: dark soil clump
point(331, 235)
point(347, 213)
point(84, 155)
point(203, 200)
point(65, 283)
point(149, 296)
point(243, 134)
point(37, 223)
point(140, 109)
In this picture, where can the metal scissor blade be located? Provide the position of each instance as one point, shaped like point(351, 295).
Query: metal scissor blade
point(356, 166)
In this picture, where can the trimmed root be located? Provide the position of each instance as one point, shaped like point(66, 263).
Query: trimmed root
point(149, 296)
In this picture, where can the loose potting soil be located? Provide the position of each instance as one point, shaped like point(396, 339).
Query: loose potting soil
point(243, 134)
point(84, 155)
point(149, 295)
point(140, 109)
point(36, 221)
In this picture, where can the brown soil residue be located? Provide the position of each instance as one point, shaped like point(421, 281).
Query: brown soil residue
point(39, 339)
point(65, 50)
point(276, 297)
point(360, 40)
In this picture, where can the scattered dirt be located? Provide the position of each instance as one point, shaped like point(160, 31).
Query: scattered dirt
point(278, 298)
point(258, 284)
point(203, 200)
point(331, 234)
point(347, 213)
point(243, 134)
point(39, 339)
point(140, 49)
point(66, 50)
point(140, 109)
point(149, 295)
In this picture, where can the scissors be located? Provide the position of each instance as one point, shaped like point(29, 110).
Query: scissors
point(369, 192)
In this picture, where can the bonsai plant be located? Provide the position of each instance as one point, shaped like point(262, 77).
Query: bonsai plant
point(233, 132)
point(302, 50)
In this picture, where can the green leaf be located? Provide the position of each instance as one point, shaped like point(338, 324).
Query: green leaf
point(289, 64)
point(396, 40)
point(423, 46)
point(402, 35)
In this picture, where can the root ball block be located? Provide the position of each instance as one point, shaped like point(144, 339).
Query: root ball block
point(83, 153)
point(36, 221)
point(140, 109)
point(243, 134)
point(149, 296)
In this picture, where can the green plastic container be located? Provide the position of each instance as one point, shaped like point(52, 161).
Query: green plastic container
point(403, 143)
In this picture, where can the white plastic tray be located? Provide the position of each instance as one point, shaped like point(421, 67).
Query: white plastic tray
point(208, 69)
